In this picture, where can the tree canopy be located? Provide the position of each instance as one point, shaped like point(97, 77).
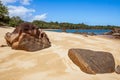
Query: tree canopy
point(3, 10)
point(15, 20)
point(3, 13)
point(66, 25)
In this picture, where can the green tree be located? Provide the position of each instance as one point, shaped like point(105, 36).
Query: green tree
point(15, 20)
point(3, 14)
point(3, 11)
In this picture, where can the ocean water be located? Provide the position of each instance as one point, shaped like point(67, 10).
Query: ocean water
point(96, 31)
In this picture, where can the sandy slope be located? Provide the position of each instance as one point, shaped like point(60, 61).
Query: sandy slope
point(53, 63)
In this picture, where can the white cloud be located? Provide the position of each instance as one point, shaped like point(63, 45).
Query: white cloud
point(21, 11)
point(8, 1)
point(25, 2)
point(40, 17)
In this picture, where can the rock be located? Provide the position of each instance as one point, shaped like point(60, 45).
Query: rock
point(85, 34)
point(117, 69)
point(92, 34)
point(116, 30)
point(3, 45)
point(27, 37)
point(116, 35)
point(108, 33)
point(92, 62)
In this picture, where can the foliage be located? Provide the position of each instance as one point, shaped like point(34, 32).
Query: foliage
point(3, 13)
point(3, 10)
point(65, 25)
point(15, 20)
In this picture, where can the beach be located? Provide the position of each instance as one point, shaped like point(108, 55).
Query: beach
point(53, 63)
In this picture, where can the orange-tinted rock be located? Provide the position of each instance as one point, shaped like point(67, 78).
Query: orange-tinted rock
point(27, 37)
point(92, 62)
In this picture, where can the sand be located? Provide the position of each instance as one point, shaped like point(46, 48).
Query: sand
point(53, 63)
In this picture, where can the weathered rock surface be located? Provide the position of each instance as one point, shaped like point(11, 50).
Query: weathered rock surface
point(115, 33)
point(27, 37)
point(117, 69)
point(92, 62)
point(108, 33)
point(92, 34)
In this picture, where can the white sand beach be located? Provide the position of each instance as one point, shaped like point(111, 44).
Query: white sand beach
point(53, 63)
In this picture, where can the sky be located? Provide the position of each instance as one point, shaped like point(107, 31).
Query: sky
point(91, 12)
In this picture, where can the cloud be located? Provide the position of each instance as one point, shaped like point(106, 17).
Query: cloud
point(23, 2)
point(21, 11)
point(8, 1)
point(40, 17)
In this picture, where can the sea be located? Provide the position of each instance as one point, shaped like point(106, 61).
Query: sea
point(96, 31)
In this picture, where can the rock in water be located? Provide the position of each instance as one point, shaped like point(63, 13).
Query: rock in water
point(92, 62)
point(117, 69)
point(27, 37)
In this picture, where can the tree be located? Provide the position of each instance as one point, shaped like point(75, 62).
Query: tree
point(3, 14)
point(3, 11)
point(15, 20)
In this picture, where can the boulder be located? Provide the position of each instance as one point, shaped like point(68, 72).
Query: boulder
point(92, 62)
point(117, 69)
point(115, 33)
point(116, 30)
point(108, 33)
point(92, 34)
point(27, 37)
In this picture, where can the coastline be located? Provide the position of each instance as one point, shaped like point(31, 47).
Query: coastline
point(81, 31)
point(53, 63)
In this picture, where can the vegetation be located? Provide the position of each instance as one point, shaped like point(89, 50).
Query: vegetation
point(3, 13)
point(16, 20)
point(5, 19)
point(63, 26)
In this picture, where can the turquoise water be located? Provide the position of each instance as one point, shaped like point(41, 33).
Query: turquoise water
point(96, 31)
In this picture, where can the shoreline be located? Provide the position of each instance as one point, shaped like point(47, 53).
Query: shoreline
point(83, 29)
point(97, 35)
point(53, 63)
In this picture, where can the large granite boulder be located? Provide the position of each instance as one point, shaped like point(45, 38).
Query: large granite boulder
point(92, 62)
point(27, 37)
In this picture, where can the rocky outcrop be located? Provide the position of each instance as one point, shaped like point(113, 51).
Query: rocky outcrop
point(86, 34)
point(108, 33)
point(92, 34)
point(115, 33)
point(117, 69)
point(27, 37)
point(92, 62)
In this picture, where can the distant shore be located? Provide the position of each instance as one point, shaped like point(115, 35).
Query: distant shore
point(81, 31)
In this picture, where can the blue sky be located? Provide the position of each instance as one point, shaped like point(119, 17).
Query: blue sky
point(92, 12)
